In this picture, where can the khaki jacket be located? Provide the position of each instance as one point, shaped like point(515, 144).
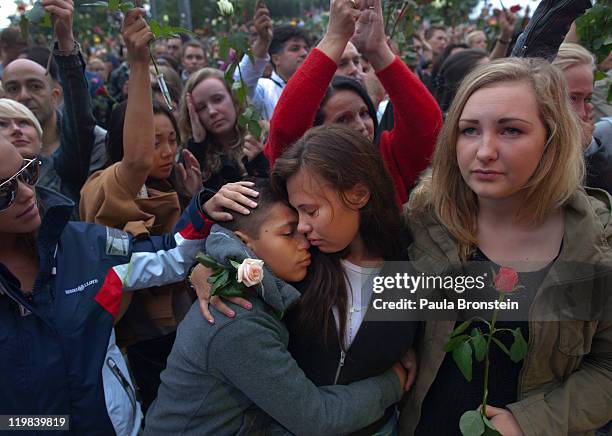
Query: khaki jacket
point(565, 386)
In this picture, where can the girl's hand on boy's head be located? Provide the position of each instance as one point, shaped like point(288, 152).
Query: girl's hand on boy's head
point(198, 132)
point(199, 280)
point(233, 196)
point(409, 362)
point(189, 175)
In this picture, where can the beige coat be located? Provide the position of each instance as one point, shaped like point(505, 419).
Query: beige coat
point(565, 386)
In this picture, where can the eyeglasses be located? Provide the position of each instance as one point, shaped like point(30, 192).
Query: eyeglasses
point(28, 174)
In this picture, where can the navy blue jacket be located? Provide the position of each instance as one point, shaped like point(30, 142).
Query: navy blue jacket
point(53, 341)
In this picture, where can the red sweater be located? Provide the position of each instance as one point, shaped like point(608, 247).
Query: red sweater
point(406, 149)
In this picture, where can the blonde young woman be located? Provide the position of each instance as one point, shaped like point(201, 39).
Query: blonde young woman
point(209, 114)
point(506, 189)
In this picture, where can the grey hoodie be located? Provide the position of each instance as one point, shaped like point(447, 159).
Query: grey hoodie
point(237, 377)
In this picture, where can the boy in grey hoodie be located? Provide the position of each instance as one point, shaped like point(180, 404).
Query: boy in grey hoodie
point(236, 376)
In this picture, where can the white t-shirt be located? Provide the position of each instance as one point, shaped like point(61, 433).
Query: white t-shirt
point(359, 285)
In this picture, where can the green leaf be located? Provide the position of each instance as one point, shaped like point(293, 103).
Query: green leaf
point(207, 261)
point(155, 28)
point(462, 355)
point(46, 21)
point(113, 5)
point(501, 346)
point(229, 74)
point(221, 282)
point(243, 120)
point(255, 129)
point(24, 27)
point(518, 350)
point(241, 92)
point(609, 93)
point(461, 327)
point(480, 345)
point(453, 343)
point(471, 423)
point(599, 75)
point(224, 47)
point(125, 7)
point(490, 429)
point(235, 264)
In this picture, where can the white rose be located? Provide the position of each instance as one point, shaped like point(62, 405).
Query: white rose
point(250, 272)
point(226, 8)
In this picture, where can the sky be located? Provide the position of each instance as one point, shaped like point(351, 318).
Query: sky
point(8, 7)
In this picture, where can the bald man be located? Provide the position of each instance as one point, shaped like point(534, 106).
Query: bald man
point(72, 144)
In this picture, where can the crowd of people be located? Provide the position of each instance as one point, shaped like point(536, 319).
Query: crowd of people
point(109, 192)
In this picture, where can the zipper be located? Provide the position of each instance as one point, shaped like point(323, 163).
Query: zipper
point(340, 365)
point(110, 362)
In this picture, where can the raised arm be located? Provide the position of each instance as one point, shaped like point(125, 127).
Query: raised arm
point(139, 128)
point(507, 21)
point(407, 148)
point(252, 72)
point(77, 137)
point(298, 104)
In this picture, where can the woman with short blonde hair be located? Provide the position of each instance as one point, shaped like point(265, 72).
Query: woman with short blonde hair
point(19, 125)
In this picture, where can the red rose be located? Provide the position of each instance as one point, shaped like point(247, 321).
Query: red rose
point(101, 91)
point(506, 280)
point(21, 8)
point(514, 9)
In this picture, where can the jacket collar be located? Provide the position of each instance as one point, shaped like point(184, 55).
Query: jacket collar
point(588, 228)
point(223, 245)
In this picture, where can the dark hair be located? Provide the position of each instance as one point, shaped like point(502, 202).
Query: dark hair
point(452, 72)
point(282, 34)
point(341, 83)
point(169, 61)
point(114, 135)
point(192, 43)
point(11, 36)
point(343, 158)
point(251, 223)
point(429, 32)
point(40, 55)
point(435, 70)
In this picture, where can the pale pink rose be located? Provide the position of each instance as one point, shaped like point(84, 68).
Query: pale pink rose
point(250, 272)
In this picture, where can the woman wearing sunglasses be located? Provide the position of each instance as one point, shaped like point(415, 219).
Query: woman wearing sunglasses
point(60, 288)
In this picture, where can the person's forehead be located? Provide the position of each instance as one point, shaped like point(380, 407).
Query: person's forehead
point(295, 40)
point(192, 50)
point(280, 215)
point(22, 70)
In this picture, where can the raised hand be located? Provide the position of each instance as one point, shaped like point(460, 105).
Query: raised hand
point(136, 35)
point(198, 132)
point(252, 147)
point(189, 175)
point(343, 14)
point(61, 12)
point(369, 38)
point(263, 25)
point(507, 21)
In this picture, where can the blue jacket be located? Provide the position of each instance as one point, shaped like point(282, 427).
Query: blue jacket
point(53, 341)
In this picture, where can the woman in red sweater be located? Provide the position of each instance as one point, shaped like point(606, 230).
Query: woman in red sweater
point(307, 100)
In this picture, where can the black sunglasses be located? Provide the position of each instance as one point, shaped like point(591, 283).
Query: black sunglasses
point(28, 174)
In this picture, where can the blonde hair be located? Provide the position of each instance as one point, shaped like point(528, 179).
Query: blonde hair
point(571, 54)
point(12, 109)
point(212, 148)
point(557, 176)
point(470, 37)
